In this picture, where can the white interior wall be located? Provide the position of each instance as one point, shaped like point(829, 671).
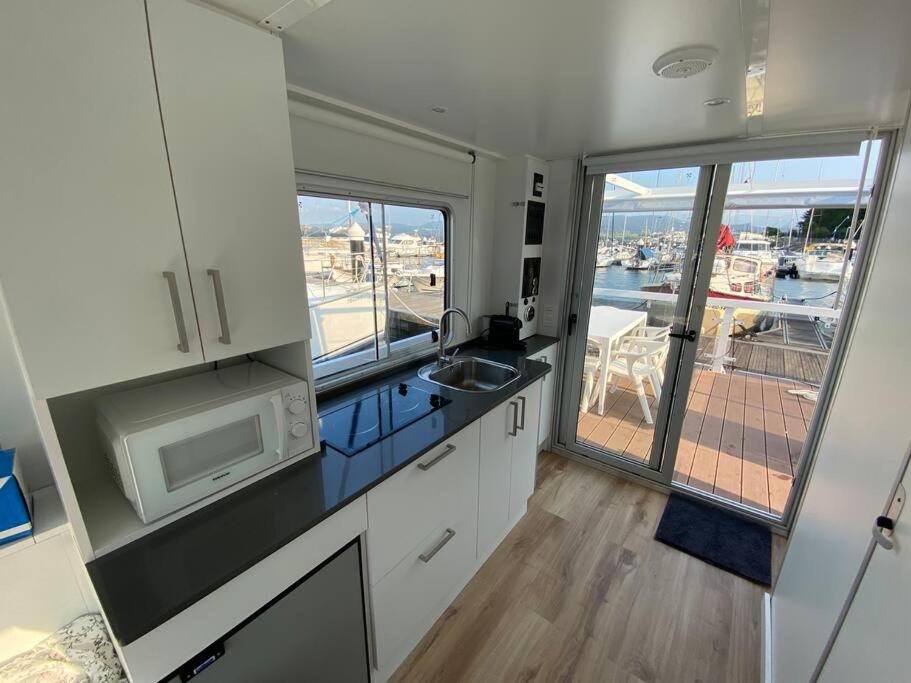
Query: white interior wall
point(863, 442)
point(558, 228)
point(18, 428)
point(480, 273)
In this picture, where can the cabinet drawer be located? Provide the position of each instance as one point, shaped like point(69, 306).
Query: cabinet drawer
point(440, 486)
point(414, 594)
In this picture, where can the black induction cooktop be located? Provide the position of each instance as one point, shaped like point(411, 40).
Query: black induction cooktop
point(384, 411)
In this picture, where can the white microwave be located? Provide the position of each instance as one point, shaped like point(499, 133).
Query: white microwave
point(172, 444)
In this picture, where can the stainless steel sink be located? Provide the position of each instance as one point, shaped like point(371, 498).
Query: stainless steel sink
point(470, 374)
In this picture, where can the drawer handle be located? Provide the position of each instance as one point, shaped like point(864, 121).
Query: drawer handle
point(427, 465)
point(448, 536)
point(515, 418)
point(183, 345)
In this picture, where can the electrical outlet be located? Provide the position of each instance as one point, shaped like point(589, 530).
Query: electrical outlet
point(548, 315)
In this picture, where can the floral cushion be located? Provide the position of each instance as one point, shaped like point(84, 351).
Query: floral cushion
point(80, 652)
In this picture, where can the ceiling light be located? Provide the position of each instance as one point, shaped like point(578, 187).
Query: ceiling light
point(685, 62)
point(439, 110)
point(717, 101)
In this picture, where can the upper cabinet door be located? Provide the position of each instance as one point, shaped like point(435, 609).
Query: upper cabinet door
point(223, 100)
point(87, 213)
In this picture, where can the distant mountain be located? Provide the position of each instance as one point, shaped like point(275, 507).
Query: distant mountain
point(429, 230)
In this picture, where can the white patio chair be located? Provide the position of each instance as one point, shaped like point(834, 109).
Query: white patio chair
point(590, 373)
point(639, 358)
point(659, 333)
point(651, 332)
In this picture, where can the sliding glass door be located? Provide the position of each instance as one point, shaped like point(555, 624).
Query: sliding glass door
point(704, 318)
point(637, 268)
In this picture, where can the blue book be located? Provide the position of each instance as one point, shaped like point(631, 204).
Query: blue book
point(15, 522)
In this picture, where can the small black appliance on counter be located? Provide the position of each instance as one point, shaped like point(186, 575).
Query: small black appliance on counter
point(503, 332)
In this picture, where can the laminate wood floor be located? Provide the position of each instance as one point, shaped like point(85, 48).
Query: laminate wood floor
point(742, 436)
point(581, 591)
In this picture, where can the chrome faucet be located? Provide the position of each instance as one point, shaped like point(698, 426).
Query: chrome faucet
point(442, 358)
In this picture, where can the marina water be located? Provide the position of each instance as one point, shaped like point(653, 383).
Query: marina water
point(797, 291)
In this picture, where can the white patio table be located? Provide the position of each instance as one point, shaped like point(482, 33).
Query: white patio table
point(607, 325)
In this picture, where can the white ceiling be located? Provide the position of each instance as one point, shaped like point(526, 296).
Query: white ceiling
point(557, 77)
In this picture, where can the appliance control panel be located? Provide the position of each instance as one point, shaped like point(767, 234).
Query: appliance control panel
point(299, 418)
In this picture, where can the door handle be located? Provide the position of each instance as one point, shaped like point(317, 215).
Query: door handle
point(882, 532)
point(522, 425)
point(426, 557)
point(885, 524)
point(573, 319)
point(183, 344)
point(225, 337)
point(278, 409)
point(515, 418)
point(424, 466)
point(689, 335)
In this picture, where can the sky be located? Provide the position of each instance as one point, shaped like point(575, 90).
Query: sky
point(325, 210)
point(819, 168)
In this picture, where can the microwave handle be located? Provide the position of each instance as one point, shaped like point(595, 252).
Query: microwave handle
point(278, 407)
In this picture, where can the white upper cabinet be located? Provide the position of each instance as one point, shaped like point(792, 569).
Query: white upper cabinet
point(147, 199)
point(87, 213)
point(222, 91)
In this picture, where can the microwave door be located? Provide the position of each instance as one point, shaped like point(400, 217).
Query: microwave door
point(181, 462)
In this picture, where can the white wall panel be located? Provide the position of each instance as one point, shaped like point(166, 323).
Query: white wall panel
point(558, 229)
point(483, 261)
point(17, 423)
point(864, 440)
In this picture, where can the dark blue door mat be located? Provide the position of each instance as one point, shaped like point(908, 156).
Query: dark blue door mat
point(717, 537)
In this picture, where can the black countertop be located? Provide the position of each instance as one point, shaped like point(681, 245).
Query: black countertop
point(148, 581)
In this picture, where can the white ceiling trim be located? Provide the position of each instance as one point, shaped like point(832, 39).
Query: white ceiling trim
point(290, 13)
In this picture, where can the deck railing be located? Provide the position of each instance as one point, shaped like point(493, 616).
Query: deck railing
point(722, 346)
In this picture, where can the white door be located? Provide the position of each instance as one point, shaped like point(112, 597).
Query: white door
point(88, 218)
point(525, 450)
point(498, 429)
point(225, 111)
point(873, 642)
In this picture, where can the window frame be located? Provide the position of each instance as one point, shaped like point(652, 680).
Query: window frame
point(404, 351)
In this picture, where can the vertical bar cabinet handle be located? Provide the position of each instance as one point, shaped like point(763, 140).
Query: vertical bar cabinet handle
point(183, 344)
point(522, 425)
point(225, 337)
point(515, 418)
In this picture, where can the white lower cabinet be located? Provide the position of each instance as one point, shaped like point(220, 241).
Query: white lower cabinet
point(421, 543)
point(549, 356)
point(430, 526)
point(525, 450)
point(414, 594)
point(439, 488)
point(509, 449)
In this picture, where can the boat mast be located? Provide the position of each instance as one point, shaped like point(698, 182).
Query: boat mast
point(854, 216)
point(806, 239)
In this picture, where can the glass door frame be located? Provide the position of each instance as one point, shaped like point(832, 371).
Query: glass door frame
point(690, 305)
point(718, 155)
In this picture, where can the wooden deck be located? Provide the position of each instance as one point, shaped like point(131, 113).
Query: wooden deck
point(796, 349)
point(741, 439)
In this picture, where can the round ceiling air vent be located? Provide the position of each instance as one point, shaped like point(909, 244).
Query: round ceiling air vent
point(685, 62)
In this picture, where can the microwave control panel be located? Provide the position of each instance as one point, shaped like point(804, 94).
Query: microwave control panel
point(298, 418)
